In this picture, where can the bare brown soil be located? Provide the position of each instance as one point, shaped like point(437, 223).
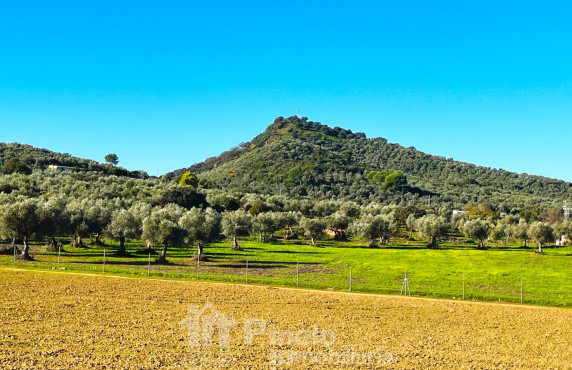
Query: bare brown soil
point(62, 320)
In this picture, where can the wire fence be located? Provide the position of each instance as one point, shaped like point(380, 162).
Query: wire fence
point(456, 285)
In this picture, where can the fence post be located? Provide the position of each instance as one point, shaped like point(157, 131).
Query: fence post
point(247, 270)
point(103, 260)
point(59, 252)
point(521, 288)
point(198, 264)
point(297, 274)
point(149, 265)
point(463, 286)
point(350, 278)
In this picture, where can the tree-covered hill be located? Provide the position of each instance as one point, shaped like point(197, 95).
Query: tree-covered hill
point(297, 174)
point(297, 157)
point(22, 158)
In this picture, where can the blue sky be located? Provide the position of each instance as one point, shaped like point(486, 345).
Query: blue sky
point(167, 84)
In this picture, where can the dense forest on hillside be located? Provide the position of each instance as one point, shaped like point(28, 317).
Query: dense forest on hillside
point(298, 157)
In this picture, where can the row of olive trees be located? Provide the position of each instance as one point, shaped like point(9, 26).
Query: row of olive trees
point(432, 226)
point(173, 225)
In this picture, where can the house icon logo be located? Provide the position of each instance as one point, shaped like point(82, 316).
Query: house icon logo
point(201, 324)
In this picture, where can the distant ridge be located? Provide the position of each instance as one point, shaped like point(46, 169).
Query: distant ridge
point(40, 159)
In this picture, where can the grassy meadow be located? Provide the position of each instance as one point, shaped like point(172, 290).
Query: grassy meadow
point(446, 272)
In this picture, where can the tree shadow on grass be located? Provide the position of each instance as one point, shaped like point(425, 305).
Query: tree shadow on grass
point(216, 254)
point(261, 264)
point(110, 253)
point(252, 248)
point(377, 247)
point(243, 266)
point(439, 248)
point(298, 252)
point(125, 263)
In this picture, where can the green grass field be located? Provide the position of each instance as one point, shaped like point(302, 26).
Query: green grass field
point(488, 275)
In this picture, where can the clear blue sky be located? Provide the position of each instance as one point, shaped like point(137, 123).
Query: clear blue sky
point(167, 84)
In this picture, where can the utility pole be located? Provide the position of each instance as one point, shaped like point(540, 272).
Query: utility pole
point(566, 208)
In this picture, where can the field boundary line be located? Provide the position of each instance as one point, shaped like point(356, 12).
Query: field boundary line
point(258, 286)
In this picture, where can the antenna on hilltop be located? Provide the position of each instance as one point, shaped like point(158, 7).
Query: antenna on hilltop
point(298, 112)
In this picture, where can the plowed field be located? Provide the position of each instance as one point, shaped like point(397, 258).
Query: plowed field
point(61, 320)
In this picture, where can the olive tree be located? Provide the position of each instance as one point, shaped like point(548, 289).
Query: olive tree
point(338, 223)
point(140, 211)
point(265, 224)
point(235, 224)
point(541, 233)
point(411, 224)
point(350, 209)
point(522, 231)
point(508, 226)
point(21, 219)
point(97, 218)
point(288, 220)
point(477, 228)
point(162, 228)
point(431, 227)
point(324, 208)
point(78, 224)
point(313, 228)
point(202, 227)
point(372, 228)
point(55, 220)
point(6, 230)
point(123, 225)
point(496, 232)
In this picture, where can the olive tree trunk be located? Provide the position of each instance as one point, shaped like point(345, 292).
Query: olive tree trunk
point(235, 245)
point(433, 241)
point(122, 249)
point(26, 251)
point(201, 256)
point(163, 255)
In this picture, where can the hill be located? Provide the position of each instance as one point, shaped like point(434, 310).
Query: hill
point(297, 157)
point(16, 157)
